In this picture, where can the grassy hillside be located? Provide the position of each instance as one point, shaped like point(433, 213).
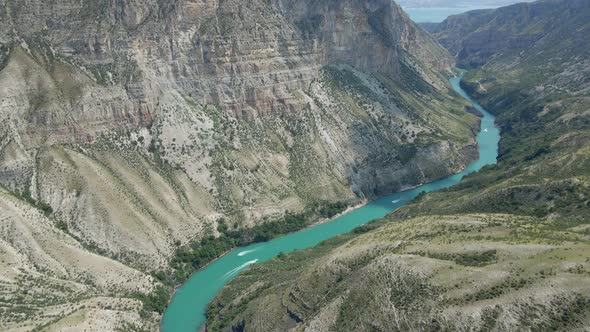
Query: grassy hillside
point(452, 272)
point(541, 96)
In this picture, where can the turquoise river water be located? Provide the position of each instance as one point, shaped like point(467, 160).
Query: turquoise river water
point(187, 310)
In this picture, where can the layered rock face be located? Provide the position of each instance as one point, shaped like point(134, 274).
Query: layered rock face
point(504, 250)
point(135, 125)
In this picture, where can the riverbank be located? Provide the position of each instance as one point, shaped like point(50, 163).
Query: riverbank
point(187, 311)
point(312, 224)
point(349, 209)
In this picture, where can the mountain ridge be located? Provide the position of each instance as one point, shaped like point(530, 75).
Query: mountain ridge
point(476, 37)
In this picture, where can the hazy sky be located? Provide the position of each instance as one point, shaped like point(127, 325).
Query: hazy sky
point(438, 10)
point(457, 3)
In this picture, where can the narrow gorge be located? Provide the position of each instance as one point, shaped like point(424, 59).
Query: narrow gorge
point(193, 303)
point(135, 131)
point(506, 249)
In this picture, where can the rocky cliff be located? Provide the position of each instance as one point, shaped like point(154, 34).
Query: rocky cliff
point(134, 126)
point(506, 249)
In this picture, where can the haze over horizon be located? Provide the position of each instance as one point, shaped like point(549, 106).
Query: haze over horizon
point(436, 11)
point(457, 3)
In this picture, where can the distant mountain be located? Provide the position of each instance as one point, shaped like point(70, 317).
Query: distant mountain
point(430, 27)
point(531, 66)
point(456, 3)
point(478, 36)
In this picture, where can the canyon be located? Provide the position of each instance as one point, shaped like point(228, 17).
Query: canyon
point(505, 249)
point(131, 129)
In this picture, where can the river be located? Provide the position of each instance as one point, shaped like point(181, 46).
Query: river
point(187, 310)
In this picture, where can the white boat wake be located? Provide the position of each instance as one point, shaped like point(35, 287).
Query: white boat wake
point(396, 201)
point(246, 252)
point(239, 268)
